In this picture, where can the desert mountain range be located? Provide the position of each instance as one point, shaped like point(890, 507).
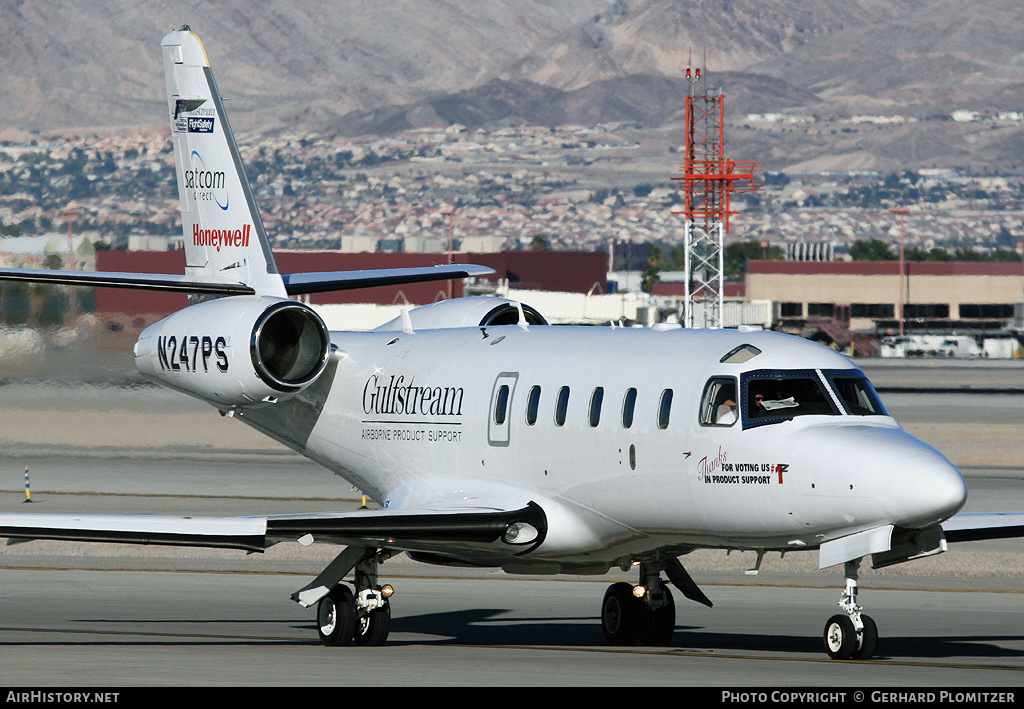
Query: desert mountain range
point(352, 67)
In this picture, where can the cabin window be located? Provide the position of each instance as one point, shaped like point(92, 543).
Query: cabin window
point(664, 409)
point(501, 405)
point(628, 407)
point(719, 404)
point(532, 405)
point(774, 396)
point(561, 406)
point(856, 394)
point(595, 406)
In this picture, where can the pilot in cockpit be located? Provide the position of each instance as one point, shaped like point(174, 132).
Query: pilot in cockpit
point(757, 405)
point(725, 414)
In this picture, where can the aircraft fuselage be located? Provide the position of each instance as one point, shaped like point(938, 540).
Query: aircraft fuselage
point(612, 433)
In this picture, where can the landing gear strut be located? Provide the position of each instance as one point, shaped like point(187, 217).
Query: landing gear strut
point(851, 635)
point(373, 611)
point(645, 612)
point(343, 616)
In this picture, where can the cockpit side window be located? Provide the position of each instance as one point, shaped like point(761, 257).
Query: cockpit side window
point(774, 396)
point(856, 394)
point(718, 405)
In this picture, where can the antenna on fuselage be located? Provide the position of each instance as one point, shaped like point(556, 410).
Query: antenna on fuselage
point(522, 316)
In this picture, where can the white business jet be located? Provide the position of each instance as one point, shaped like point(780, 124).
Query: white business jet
point(491, 439)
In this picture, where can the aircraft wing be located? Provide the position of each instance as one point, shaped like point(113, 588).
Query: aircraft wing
point(407, 530)
point(295, 283)
point(976, 526)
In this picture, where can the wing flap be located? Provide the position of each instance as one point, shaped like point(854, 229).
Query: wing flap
point(113, 279)
point(295, 283)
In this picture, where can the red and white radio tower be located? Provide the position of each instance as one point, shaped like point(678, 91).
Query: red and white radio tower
point(708, 181)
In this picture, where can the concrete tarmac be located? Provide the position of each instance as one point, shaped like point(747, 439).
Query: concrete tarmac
point(159, 628)
point(114, 615)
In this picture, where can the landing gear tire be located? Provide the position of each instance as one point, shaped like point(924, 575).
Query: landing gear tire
point(840, 637)
point(660, 623)
point(868, 641)
point(336, 617)
point(621, 615)
point(372, 629)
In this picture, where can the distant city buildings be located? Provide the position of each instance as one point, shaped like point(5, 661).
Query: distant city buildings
point(498, 196)
point(442, 188)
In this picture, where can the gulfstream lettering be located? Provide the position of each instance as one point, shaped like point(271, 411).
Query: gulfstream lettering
point(396, 397)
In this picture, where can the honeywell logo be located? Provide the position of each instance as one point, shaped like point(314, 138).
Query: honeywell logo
point(221, 237)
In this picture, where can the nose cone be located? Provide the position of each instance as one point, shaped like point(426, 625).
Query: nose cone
point(925, 488)
point(901, 480)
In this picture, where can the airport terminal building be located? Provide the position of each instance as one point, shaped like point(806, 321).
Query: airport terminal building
point(868, 295)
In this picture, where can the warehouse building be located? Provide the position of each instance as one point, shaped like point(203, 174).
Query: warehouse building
point(869, 295)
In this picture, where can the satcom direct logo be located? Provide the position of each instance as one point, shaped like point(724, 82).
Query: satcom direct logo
point(206, 185)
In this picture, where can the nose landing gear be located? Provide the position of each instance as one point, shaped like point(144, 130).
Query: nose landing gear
point(851, 635)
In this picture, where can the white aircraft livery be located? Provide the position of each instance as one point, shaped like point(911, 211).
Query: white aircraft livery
point(492, 439)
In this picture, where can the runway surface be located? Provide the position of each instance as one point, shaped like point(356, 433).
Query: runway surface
point(111, 615)
point(89, 628)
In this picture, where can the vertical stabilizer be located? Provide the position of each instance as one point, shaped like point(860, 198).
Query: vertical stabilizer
point(224, 237)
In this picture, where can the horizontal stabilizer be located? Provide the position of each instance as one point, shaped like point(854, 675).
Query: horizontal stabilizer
point(295, 283)
point(138, 281)
point(302, 283)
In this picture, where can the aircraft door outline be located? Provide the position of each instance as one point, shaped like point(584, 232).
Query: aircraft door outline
point(499, 414)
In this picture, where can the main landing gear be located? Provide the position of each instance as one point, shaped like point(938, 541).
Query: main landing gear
point(851, 635)
point(646, 612)
point(344, 616)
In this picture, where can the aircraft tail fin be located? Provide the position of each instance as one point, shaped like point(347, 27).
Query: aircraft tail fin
point(227, 251)
point(225, 241)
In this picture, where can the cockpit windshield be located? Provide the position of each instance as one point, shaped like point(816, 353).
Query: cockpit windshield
point(856, 394)
point(772, 396)
point(777, 396)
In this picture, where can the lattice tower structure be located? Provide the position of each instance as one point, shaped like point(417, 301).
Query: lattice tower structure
point(708, 181)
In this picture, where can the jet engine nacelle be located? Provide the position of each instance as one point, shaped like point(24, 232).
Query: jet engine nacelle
point(242, 351)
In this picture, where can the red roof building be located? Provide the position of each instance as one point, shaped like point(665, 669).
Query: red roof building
point(574, 272)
